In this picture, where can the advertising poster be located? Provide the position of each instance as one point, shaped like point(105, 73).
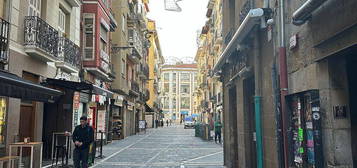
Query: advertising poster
point(101, 123)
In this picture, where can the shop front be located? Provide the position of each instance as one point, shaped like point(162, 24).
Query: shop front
point(116, 117)
point(305, 124)
point(13, 86)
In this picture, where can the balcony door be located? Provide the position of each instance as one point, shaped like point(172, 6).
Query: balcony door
point(34, 8)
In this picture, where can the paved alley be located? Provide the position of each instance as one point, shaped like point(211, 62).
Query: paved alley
point(168, 147)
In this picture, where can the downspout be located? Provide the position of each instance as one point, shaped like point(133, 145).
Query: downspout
point(258, 100)
point(301, 15)
point(283, 80)
point(258, 93)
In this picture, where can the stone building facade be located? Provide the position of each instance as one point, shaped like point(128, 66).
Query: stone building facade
point(287, 72)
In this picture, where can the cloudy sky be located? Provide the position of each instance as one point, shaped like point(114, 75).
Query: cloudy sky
point(178, 30)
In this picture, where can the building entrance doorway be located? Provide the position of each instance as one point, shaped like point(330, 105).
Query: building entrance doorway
point(352, 83)
point(249, 118)
point(233, 123)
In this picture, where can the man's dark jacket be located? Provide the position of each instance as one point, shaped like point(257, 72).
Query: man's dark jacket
point(84, 135)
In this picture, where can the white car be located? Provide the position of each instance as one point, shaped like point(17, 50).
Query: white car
point(189, 124)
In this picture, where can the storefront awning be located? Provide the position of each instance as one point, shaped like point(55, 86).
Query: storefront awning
point(77, 86)
point(101, 91)
point(251, 20)
point(80, 86)
point(12, 85)
point(148, 108)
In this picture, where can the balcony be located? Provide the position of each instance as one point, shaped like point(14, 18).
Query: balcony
point(4, 41)
point(41, 40)
point(135, 42)
point(134, 57)
point(146, 95)
point(144, 72)
point(69, 57)
point(112, 72)
point(134, 88)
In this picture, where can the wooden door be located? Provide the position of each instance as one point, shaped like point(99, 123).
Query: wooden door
point(27, 122)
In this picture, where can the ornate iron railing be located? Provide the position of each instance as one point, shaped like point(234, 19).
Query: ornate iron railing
point(4, 40)
point(40, 34)
point(69, 52)
point(135, 86)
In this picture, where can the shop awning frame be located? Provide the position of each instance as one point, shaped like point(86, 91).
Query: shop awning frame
point(80, 86)
point(253, 18)
point(148, 108)
point(14, 86)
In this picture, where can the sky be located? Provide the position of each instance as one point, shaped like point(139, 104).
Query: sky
point(178, 30)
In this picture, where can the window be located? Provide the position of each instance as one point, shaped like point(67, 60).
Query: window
point(174, 103)
point(165, 102)
point(34, 8)
point(185, 102)
point(174, 89)
point(174, 77)
point(185, 77)
point(123, 23)
point(166, 88)
point(88, 38)
point(61, 22)
point(103, 45)
point(185, 88)
point(103, 33)
point(2, 121)
point(166, 76)
point(123, 67)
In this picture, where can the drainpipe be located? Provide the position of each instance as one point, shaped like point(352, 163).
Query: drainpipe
point(283, 80)
point(301, 15)
point(257, 101)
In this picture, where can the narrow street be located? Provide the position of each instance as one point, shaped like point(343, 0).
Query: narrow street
point(167, 147)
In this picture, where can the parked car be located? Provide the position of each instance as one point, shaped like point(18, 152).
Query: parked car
point(189, 124)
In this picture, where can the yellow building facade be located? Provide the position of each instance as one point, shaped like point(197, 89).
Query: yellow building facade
point(155, 60)
point(209, 92)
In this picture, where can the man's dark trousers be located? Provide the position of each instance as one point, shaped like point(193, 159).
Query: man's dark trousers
point(217, 135)
point(80, 155)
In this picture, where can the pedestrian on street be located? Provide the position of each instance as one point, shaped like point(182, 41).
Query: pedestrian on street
point(167, 123)
point(156, 123)
point(83, 136)
point(170, 122)
point(217, 131)
point(162, 123)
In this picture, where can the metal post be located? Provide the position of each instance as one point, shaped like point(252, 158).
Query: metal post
point(257, 100)
point(258, 129)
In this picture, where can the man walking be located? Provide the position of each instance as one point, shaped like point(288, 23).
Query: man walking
point(83, 136)
point(156, 123)
point(167, 123)
point(217, 131)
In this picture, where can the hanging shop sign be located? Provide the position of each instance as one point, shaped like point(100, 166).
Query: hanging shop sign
point(119, 99)
point(131, 106)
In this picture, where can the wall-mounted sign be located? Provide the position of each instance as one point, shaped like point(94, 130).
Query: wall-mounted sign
point(340, 112)
point(293, 41)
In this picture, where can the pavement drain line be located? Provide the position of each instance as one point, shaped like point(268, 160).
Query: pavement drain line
point(112, 155)
point(186, 161)
point(165, 149)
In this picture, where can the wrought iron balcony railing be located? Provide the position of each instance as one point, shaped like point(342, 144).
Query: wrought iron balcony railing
point(39, 34)
point(4, 40)
point(135, 86)
point(69, 52)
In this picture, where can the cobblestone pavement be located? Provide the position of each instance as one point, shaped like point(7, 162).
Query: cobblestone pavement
point(168, 147)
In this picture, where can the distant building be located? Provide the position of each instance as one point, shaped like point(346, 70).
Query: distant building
point(177, 86)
